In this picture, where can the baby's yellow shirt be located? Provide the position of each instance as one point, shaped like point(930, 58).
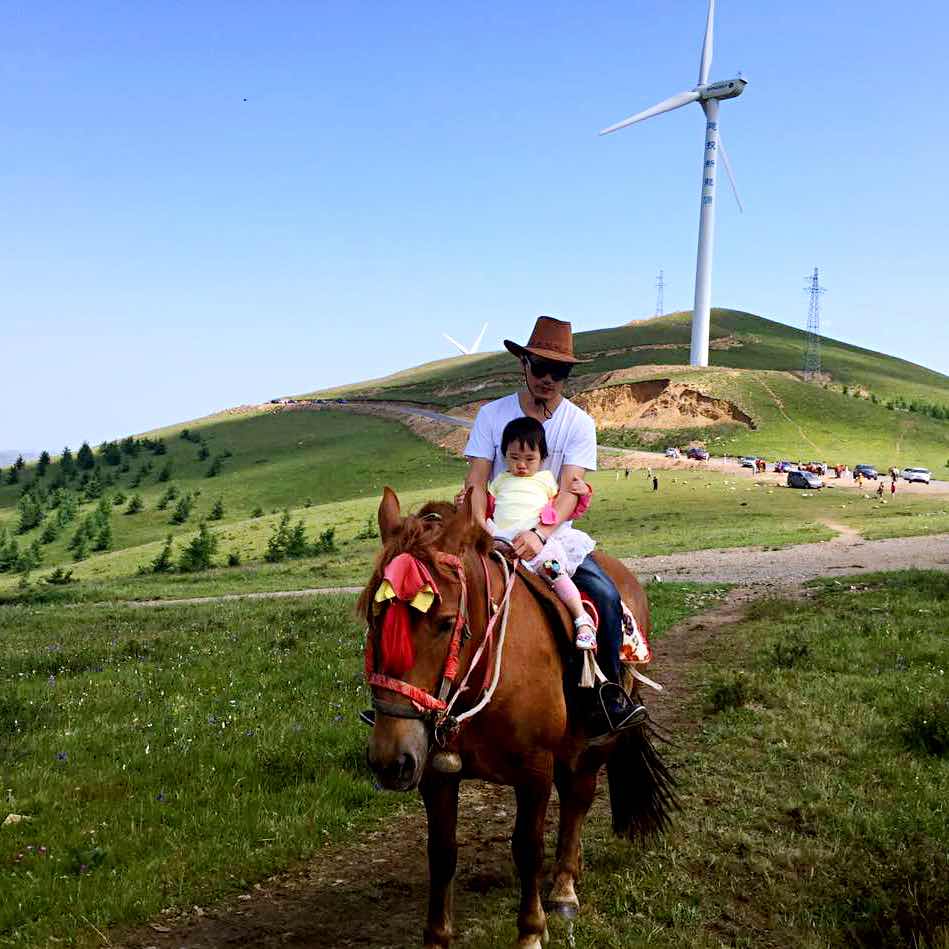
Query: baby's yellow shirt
point(519, 501)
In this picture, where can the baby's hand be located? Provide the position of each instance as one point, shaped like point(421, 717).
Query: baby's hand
point(579, 487)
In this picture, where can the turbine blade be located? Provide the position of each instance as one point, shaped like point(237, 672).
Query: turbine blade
point(667, 105)
point(477, 342)
point(706, 62)
point(728, 170)
point(454, 342)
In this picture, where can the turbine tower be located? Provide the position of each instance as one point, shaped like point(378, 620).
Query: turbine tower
point(660, 287)
point(708, 95)
point(467, 350)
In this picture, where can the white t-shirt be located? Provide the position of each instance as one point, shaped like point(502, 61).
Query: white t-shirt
point(570, 434)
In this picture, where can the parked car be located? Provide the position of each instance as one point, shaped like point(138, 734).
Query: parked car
point(672, 453)
point(865, 471)
point(781, 467)
point(804, 479)
point(748, 461)
point(921, 475)
point(698, 454)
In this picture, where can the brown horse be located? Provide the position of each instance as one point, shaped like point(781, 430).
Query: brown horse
point(525, 737)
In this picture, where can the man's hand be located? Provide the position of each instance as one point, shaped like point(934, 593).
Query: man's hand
point(579, 487)
point(527, 545)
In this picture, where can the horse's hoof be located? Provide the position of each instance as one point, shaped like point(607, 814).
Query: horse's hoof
point(447, 762)
point(566, 909)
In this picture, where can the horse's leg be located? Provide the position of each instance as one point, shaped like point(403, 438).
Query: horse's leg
point(441, 805)
point(527, 846)
point(576, 790)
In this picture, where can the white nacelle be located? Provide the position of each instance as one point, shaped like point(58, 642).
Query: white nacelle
point(726, 89)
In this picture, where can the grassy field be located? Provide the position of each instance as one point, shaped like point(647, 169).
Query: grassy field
point(167, 757)
point(693, 510)
point(813, 789)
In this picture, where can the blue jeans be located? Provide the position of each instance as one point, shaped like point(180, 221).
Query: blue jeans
point(591, 580)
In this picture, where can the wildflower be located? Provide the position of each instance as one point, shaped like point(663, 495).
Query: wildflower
point(51, 681)
point(62, 756)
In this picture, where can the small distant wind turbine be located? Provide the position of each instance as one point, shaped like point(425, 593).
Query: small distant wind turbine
point(708, 96)
point(467, 350)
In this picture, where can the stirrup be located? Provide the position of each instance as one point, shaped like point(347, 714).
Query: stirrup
point(634, 713)
point(368, 717)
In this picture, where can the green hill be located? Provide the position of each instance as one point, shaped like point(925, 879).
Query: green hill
point(867, 407)
point(738, 340)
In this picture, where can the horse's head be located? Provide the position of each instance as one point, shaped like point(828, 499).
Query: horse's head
point(415, 606)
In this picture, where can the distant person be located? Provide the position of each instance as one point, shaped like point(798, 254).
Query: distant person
point(627, 473)
point(880, 490)
point(892, 487)
point(655, 483)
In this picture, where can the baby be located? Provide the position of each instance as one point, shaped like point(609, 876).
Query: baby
point(522, 501)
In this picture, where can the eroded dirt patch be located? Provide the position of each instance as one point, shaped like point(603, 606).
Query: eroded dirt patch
point(658, 403)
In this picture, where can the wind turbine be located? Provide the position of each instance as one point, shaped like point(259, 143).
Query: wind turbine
point(467, 350)
point(708, 95)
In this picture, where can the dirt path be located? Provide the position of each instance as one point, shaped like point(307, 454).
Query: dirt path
point(371, 891)
point(789, 566)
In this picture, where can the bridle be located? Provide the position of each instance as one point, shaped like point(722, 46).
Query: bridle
point(425, 705)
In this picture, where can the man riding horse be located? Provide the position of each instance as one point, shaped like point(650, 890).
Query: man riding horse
point(546, 361)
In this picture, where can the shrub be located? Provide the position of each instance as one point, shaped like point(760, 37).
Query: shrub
point(103, 537)
point(278, 541)
point(370, 531)
point(165, 472)
point(233, 559)
point(788, 655)
point(171, 492)
point(163, 562)
point(50, 532)
point(203, 452)
point(30, 558)
point(198, 554)
point(727, 692)
point(215, 468)
point(259, 511)
point(135, 504)
point(80, 549)
point(60, 577)
point(217, 512)
point(118, 498)
point(326, 542)
point(927, 729)
point(182, 509)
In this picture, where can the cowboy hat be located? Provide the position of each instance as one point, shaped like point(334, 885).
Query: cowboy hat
point(551, 339)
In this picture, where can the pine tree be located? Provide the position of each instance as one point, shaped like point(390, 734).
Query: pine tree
point(50, 532)
point(103, 537)
point(165, 472)
point(163, 562)
point(84, 457)
point(19, 464)
point(93, 489)
point(203, 452)
point(217, 512)
point(279, 540)
point(135, 505)
point(171, 492)
point(81, 550)
point(215, 468)
point(199, 553)
point(42, 464)
point(119, 498)
point(182, 509)
point(297, 543)
point(31, 513)
point(13, 475)
point(111, 453)
point(67, 464)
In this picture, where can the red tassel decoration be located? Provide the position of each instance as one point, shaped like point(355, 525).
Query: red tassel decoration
point(398, 654)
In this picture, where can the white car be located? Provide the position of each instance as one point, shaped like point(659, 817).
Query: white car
point(672, 453)
point(748, 461)
point(917, 474)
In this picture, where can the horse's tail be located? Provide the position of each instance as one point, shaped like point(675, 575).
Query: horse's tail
point(642, 789)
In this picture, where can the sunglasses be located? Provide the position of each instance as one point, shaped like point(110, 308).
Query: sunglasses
point(558, 371)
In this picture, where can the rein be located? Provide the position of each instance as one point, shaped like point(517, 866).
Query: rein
point(438, 709)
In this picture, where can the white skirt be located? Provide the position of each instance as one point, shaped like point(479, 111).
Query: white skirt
point(568, 546)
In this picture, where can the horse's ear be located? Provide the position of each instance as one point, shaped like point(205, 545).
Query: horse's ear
point(390, 514)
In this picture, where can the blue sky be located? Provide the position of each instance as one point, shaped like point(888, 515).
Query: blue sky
point(206, 204)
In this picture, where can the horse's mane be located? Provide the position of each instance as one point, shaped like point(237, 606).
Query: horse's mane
point(437, 527)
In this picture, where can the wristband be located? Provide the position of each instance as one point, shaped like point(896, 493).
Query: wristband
point(539, 536)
